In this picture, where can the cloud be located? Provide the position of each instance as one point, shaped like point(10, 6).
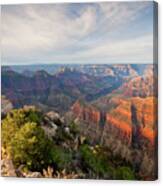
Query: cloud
point(126, 51)
point(36, 27)
point(75, 32)
point(119, 13)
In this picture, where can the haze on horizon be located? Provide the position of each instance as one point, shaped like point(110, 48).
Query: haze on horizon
point(110, 32)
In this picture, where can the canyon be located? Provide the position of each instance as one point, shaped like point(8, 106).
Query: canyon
point(108, 99)
point(57, 91)
point(131, 120)
point(112, 106)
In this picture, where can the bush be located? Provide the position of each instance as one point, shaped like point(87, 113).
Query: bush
point(95, 162)
point(124, 173)
point(26, 142)
point(14, 121)
point(74, 129)
point(10, 125)
point(33, 116)
point(31, 147)
point(61, 158)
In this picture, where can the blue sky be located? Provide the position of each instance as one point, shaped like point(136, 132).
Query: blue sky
point(110, 32)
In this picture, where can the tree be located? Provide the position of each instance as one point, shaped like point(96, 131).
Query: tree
point(31, 147)
point(10, 125)
point(14, 121)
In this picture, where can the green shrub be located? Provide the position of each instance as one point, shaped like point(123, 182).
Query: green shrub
point(14, 121)
point(124, 173)
point(95, 162)
point(10, 125)
point(61, 158)
point(9, 128)
point(27, 144)
point(74, 129)
point(34, 116)
point(31, 147)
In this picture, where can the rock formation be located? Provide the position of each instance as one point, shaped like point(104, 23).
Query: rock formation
point(132, 119)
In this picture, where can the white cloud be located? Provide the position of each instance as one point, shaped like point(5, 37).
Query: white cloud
point(35, 28)
point(134, 50)
point(48, 32)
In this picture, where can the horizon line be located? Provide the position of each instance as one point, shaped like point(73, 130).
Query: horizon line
point(34, 64)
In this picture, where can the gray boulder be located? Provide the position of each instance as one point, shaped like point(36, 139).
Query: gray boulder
point(55, 117)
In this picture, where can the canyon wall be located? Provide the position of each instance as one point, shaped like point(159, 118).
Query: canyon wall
point(133, 121)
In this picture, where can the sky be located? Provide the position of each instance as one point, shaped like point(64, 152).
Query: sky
point(87, 33)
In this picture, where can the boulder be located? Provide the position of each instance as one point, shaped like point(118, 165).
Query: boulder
point(67, 130)
point(55, 117)
point(33, 175)
point(50, 131)
point(7, 168)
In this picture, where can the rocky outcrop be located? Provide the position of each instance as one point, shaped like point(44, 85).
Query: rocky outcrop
point(7, 168)
point(6, 105)
point(54, 117)
point(51, 122)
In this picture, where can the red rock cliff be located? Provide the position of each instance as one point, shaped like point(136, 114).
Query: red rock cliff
point(134, 117)
point(86, 113)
